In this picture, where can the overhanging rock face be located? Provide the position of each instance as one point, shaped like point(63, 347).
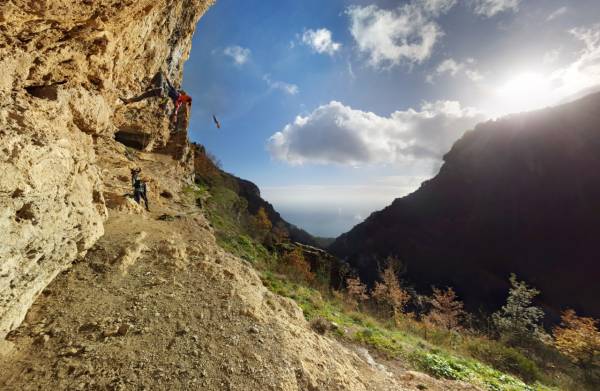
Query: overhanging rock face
point(64, 64)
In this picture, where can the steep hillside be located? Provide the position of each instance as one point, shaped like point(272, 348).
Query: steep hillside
point(209, 174)
point(248, 226)
point(517, 195)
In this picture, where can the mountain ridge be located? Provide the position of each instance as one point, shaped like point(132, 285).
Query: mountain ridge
point(501, 187)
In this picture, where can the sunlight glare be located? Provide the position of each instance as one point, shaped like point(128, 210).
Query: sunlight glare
point(524, 92)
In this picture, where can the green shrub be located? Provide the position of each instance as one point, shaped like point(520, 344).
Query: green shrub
point(443, 367)
point(196, 191)
point(519, 321)
point(358, 317)
point(244, 247)
point(380, 340)
point(506, 359)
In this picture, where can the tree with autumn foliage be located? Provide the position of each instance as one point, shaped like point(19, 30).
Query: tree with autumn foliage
point(262, 223)
point(262, 220)
point(356, 291)
point(578, 338)
point(297, 265)
point(446, 310)
point(388, 291)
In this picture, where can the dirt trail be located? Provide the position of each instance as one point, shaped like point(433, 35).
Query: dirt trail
point(157, 305)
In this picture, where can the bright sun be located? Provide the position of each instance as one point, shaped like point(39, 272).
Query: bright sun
point(526, 91)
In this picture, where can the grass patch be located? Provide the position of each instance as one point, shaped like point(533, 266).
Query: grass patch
point(197, 194)
point(396, 343)
point(505, 358)
point(245, 248)
point(444, 365)
point(228, 213)
point(196, 191)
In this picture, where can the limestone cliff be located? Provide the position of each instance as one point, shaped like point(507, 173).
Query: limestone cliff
point(64, 63)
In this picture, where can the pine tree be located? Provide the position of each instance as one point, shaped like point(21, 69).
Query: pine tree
point(519, 320)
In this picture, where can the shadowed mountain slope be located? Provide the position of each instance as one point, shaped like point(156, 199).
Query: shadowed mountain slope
point(520, 194)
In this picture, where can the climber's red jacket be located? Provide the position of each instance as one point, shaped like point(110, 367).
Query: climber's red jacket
point(181, 99)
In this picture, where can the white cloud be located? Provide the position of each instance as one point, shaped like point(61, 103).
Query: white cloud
point(584, 72)
point(489, 8)
point(449, 66)
point(454, 68)
point(290, 89)
point(238, 54)
point(351, 72)
point(590, 36)
point(405, 34)
point(320, 41)
point(337, 134)
point(438, 7)
point(473, 75)
point(560, 11)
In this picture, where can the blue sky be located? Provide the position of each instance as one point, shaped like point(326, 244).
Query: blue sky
point(334, 108)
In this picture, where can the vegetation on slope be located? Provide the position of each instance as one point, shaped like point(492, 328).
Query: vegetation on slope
point(505, 352)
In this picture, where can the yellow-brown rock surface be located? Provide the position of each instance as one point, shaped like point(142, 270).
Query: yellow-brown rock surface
point(63, 66)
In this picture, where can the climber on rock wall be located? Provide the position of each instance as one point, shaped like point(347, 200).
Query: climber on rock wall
point(180, 120)
point(182, 99)
point(162, 88)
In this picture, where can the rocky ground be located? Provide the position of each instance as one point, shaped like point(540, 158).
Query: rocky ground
point(156, 304)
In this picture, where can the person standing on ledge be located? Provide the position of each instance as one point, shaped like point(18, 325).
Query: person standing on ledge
point(139, 187)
